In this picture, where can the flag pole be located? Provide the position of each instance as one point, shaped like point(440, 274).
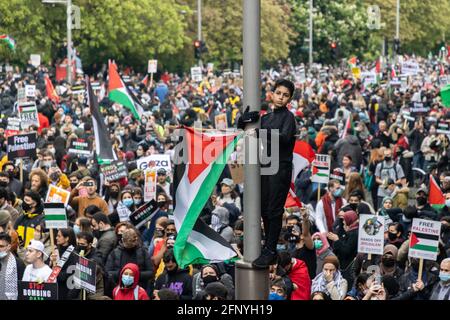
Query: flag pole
point(252, 284)
point(419, 277)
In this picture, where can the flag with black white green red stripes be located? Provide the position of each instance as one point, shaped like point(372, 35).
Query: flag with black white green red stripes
point(424, 239)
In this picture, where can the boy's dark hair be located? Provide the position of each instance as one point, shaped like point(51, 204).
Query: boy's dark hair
point(5, 237)
point(101, 217)
point(91, 210)
point(169, 256)
point(88, 236)
point(167, 294)
point(287, 84)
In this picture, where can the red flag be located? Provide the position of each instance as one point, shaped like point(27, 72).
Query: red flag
point(378, 66)
point(145, 81)
point(51, 92)
point(435, 196)
point(442, 70)
point(393, 73)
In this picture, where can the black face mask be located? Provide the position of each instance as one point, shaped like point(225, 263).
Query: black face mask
point(26, 207)
point(171, 272)
point(354, 206)
point(11, 174)
point(3, 184)
point(421, 201)
point(209, 279)
point(161, 204)
point(387, 159)
point(392, 236)
point(114, 194)
point(388, 261)
point(80, 248)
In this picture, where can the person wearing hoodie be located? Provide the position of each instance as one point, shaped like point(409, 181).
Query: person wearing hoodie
point(130, 251)
point(25, 225)
point(220, 223)
point(209, 273)
point(177, 279)
point(345, 243)
point(323, 249)
point(128, 287)
point(350, 148)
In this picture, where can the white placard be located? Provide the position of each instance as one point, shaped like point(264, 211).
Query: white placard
point(30, 91)
point(410, 68)
point(149, 185)
point(321, 169)
point(424, 239)
point(196, 74)
point(152, 66)
point(371, 234)
point(35, 60)
point(155, 161)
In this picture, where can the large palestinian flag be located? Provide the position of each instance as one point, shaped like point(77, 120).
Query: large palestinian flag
point(119, 92)
point(204, 158)
point(103, 145)
point(302, 158)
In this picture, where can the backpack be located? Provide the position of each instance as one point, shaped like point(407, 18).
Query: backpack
point(393, 167)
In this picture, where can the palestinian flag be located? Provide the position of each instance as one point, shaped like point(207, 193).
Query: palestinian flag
point(320, 171)
point(424, 242)
point(145, 81)
point(9, 41)
point(302, 158)
point(194, 180)
point(352, 62)
point(103, 144)
point(348, 126)
point(119, 92)
point(51, 92)
point(436, 196)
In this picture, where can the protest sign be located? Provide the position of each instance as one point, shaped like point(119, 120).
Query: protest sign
point(424, 239)
point(321, 169)
point(13, 127)
point(22, 146)
point(356, 72)
point(21, 95)
point(35, 60)
point(237, 172)
point(28, 114)
point(220, 121)
point(57, 195)
point(196, 74)
point(55, 216)
point(339, 176)
point(114, 171)
point(155, 161)
point(300, 74)
point(37, 291)
point(371, 234)
point(443, 128)
point(144, 214)
point(85, 274)
point(410, 68)
point(369, 78)
point(80, 147)
point(30, 91)
point(149, 185)
point(417, 108)
point(152, 66)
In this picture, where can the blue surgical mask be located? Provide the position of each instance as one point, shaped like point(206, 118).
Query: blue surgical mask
point(281, 247)
point(76, 229)
point(318, 244)
point(444, 276)
point(447, 203)
point(128, 202)
point(274, 296)
point(137, 201)
point(338, 193)
point(127, 280)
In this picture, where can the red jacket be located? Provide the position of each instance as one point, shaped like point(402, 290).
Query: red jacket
point(122, 293)
point(43, 122)
point(300, 277)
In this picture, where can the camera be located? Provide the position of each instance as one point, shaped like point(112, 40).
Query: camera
point(88, 184)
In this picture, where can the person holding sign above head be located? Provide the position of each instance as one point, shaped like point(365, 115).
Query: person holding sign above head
point(37, 270)
point(128, 288)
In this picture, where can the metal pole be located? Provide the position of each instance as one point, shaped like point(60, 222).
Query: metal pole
point(397, 29)
point(311, 6)
point(251, 284)
point(69, 41)
point(199, 28)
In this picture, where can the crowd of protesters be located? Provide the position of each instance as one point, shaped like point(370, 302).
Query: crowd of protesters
point(385, 158)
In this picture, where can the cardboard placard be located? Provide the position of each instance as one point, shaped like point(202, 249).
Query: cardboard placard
point(424, 239)
point(220, 121)
point(196, 74)
point(80, 147)
point(144, 214)
point(237, 172)
point(57, 195)
point(114, 171)
point(155, 162)
point(149, 185)
point(22, 146)
point(321, 169)
point(28, 114)
point(371, 234)
point(37, 291)
point(85, 274)
point(55, 216)
point(152, 66)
